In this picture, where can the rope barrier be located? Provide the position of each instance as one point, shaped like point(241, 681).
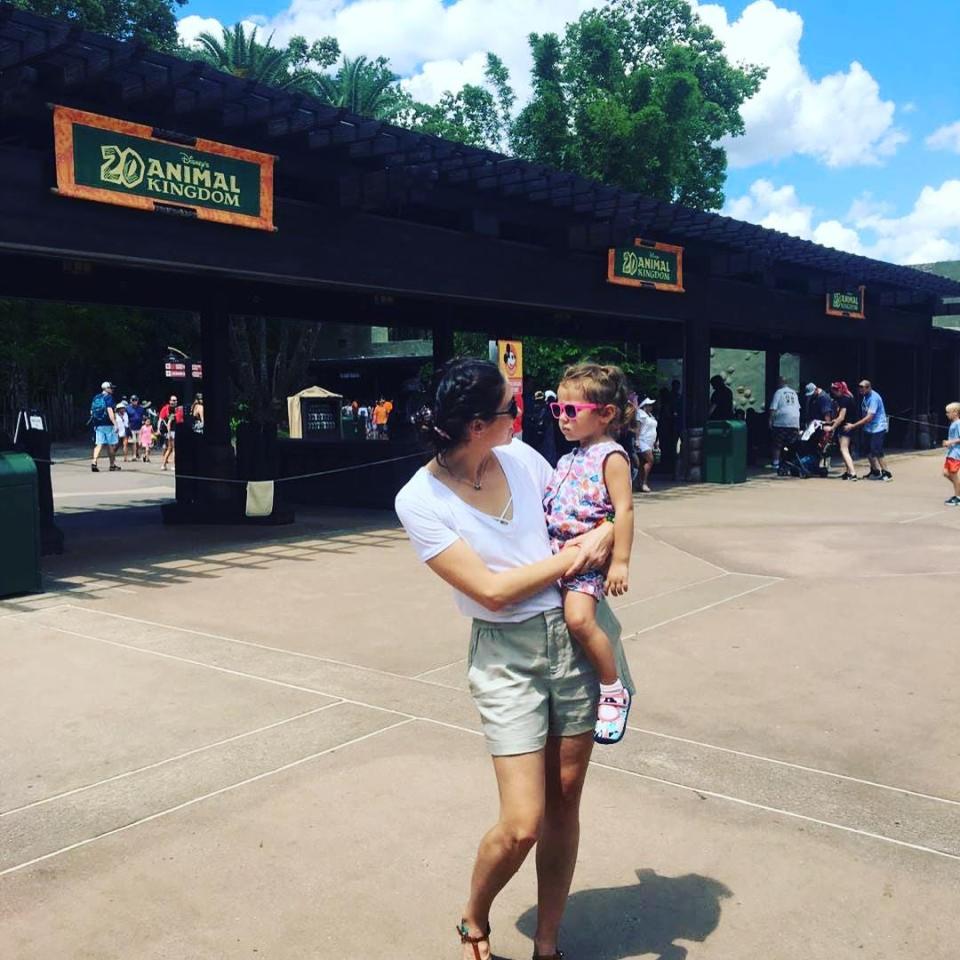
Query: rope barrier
point(85, 461)
point(922, 423)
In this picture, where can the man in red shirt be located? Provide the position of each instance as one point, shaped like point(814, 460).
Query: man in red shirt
point(171, 413)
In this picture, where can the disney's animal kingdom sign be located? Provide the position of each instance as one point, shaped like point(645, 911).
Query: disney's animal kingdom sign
point(114, 161)
point(657, 266)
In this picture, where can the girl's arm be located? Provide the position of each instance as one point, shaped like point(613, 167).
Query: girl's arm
point(616, 475)
point(463, 569)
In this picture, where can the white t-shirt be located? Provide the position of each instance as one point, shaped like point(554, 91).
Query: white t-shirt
point(785, 407)
point(435, 518)
point(647, 427)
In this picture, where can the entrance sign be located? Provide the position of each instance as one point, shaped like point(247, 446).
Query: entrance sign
point(847, 303)
point(132, 165)
point(175, 371)
point(657, 266)
point(510, 361)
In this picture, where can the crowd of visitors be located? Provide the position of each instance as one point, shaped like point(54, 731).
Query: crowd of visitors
point(373, 419)
point(135, 428)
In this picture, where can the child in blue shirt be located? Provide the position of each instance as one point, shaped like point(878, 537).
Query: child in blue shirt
point(951, 466)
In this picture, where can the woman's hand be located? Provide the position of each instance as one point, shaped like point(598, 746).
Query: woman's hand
point(594, 548)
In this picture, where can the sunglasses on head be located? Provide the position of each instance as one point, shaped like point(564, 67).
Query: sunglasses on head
point(570, 410)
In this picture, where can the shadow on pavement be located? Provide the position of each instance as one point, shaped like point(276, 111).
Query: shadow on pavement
point(129, 547)
point(615, 923)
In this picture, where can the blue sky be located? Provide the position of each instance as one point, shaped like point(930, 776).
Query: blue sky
point(836, 147)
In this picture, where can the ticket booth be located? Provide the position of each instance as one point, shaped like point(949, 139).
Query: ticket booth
point(315, 414)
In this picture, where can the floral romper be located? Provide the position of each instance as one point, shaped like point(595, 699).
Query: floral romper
point(576, 501)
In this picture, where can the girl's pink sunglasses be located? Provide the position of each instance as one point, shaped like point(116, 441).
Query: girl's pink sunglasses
point(570, 410)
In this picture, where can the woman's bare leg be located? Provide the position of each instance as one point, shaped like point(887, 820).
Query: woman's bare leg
point(520, 780)
point(845, 455)
point(566, 759)
point(580, 613)
point(645, 469)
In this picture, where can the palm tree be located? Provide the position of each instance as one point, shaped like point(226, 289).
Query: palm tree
point(240, 54)
point(366, 87)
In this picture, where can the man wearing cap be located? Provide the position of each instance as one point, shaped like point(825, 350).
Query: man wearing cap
point(646, 440)
point(103, 421)
point(135, 416)
point(819, 403)
point(875, 424)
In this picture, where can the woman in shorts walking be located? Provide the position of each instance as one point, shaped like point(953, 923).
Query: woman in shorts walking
point(474, 515)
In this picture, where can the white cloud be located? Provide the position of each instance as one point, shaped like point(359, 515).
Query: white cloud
point(438, 76)
point(189, 28)
point(946, 137)
point(930, 231)
point(839, 119)
point(435, 47)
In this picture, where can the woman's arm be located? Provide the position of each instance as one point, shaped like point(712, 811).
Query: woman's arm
point(464, 569)
point(616, 475)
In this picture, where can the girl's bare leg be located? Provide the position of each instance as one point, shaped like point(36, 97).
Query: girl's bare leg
point(580, 613)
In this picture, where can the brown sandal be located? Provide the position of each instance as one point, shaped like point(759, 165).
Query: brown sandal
point(465, 937)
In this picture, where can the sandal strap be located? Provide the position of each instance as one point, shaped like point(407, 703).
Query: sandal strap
point(465, 937)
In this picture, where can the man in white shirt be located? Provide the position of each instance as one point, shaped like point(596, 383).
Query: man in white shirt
point(784, 419)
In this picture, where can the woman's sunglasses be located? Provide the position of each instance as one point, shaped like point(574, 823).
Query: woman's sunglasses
point(512, 410)
point(570, 410)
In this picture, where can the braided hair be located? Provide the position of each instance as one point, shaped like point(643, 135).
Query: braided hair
point(467, 390)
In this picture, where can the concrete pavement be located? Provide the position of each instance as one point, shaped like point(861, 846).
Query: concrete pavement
point(256, 742)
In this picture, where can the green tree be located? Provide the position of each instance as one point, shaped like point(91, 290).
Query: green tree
point(152, 21)
point(476, 115)
point(638, 94)
point(288, 68)
point(366, 87)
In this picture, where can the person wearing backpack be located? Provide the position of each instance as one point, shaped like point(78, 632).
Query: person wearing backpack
point(103, 421)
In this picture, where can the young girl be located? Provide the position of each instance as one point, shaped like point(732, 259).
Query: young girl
point(146, 438)
point(122, 424)
point(592, 485)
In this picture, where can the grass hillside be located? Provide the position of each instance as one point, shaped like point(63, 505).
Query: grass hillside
point(944, 268)
point(951, 270)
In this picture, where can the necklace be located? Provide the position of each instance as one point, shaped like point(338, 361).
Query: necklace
point(476, 484)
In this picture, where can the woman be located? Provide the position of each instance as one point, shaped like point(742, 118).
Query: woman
point(196, 413)
point(474, 515)
point(646, 440)
point(846, 413)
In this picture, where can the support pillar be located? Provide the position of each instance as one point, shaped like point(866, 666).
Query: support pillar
point(696, 373)
point(696, 397)
point(210, 454)
point(771, 373)
point(442, 345)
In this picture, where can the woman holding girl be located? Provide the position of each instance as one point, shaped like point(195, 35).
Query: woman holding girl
point(474, 515)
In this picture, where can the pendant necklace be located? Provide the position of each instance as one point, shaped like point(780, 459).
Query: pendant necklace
point(476, 484)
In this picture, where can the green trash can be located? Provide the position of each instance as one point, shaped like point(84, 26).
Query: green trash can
point(725, 451)
point(20, 525)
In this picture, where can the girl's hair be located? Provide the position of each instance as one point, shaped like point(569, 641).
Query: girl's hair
point(467, 390)
point(953, 407)
point(606, 384)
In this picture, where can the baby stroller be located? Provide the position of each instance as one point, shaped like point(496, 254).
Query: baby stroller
point(808, 455)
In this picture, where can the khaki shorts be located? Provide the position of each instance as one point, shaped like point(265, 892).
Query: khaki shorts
point(530, 680)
